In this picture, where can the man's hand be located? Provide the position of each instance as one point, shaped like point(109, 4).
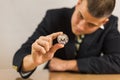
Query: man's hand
point(42, 51)
point(57, 64)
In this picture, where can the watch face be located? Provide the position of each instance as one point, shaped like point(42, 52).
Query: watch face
point(63, 39)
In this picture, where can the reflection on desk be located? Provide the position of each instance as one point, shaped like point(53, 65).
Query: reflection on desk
point(10, 74)
point(19, 78)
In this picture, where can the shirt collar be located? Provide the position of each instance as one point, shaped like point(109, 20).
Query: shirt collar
point(102, 27)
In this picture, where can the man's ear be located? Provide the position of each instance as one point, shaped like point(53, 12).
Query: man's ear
point(105, 21)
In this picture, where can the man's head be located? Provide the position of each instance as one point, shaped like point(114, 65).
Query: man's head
point(100, 8)
point(89, 15)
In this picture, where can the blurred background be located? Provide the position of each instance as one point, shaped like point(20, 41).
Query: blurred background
point(18, 20)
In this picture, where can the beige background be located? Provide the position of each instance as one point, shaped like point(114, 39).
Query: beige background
point(19, 18)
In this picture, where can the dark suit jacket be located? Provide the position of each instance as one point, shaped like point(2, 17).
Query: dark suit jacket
point(89, 57)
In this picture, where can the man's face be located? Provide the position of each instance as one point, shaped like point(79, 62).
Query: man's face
point(83, 22)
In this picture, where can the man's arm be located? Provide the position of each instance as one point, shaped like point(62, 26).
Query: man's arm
point(57, 64)
point(23, 54)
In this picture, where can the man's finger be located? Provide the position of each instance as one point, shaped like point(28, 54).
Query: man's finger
point(55, 35)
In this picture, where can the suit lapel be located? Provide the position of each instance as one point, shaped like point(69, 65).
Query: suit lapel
point(70, 50)
point(90, 39)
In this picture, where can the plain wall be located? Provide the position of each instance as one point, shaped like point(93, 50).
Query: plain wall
point(18, 20)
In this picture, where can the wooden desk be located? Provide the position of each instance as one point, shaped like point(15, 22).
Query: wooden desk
point(75, 76)
point(10, 74)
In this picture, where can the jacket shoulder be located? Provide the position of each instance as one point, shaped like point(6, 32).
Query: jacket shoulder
point(58, 10)
point(113, 18)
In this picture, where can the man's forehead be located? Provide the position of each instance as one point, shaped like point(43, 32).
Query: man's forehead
point(89, 18)
point(83, 10)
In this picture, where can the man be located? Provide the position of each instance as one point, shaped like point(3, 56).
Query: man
point(94, 26)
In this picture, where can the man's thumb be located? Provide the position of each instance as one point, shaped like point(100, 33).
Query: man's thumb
point(56, 47)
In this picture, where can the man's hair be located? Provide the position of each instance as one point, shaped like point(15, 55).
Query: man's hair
point(101, 8)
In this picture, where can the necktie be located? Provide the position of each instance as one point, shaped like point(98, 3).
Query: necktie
point(79, 40)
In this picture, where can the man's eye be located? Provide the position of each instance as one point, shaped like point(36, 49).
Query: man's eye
point(91, 25)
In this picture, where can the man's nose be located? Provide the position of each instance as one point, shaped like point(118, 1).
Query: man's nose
point(81, 25)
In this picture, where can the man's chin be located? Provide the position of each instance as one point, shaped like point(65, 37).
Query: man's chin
point(77, 34)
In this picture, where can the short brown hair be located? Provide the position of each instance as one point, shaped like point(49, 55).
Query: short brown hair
point(101, 8)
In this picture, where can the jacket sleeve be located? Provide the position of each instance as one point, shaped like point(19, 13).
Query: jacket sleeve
point(42, 29)
point(110, 61)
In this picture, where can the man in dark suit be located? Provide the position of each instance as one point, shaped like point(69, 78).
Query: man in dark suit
point(91, 23)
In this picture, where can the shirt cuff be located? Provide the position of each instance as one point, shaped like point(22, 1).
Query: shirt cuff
point(26, 74)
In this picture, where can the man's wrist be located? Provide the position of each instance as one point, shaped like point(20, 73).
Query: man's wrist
point(28, 64)
point(72, 65)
